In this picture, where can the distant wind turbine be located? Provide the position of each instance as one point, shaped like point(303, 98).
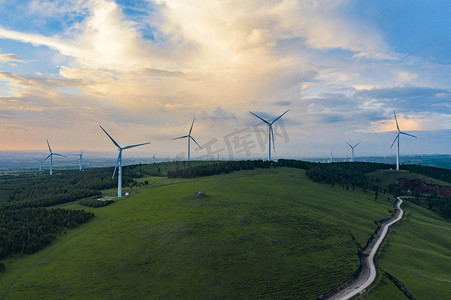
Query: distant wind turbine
point(331, 155)
point(189, 139)
point(51, 157)
point(81, 160)
point(352, 149)
point(119, 161)
point(270, 131)
point(40, 163)
point(397, 138)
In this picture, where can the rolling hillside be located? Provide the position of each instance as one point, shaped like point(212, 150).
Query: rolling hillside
point(270, 233)
point(264, 233)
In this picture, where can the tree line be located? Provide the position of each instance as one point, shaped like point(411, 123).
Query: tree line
point(216, 168)
point(354, 174)
point(65, 186)
point(27, 230)
point(26, 226)
point(346, 174)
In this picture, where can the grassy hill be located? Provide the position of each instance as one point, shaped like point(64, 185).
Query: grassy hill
point(261, 233)
point(418, 253)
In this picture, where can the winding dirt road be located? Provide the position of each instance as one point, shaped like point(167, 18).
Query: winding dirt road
point(368, 273)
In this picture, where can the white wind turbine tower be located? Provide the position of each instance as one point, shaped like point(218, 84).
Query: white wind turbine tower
point(270, 131)
point(81, 160)
point(189, 139)
point(331, 158)
point(51, 157)
point(352, 149)
point(119, 161)
point(40, 163)
point(397, 138)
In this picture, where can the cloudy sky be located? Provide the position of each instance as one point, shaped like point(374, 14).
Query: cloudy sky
point(143, 69)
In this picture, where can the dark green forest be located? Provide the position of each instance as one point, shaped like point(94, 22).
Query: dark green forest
point(26, 230)
point(29, 190)
point(27, 224)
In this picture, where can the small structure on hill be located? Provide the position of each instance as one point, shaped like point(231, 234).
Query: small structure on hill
point(201, 194)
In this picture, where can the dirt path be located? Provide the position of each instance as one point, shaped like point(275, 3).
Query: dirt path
point(358, 284)
point(110, 195)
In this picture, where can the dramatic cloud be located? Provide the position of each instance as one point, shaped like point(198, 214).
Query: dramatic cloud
point(11, 57)
point(146, 68)
point(410, 99)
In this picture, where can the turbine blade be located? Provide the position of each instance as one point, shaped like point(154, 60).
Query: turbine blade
point(117, 164)
point(396, 120)
point(356, 145)
point(272, 137)
point(191, 127)
point(133, 146)
point(117, 145)
point(48, 145)
point(348, 144)
point(275, 120)
point(180, 137)
point(260, 118)
point(59, 154)
point(195, 142)
point(397, 136)
point(407, 134)
point(46, 158)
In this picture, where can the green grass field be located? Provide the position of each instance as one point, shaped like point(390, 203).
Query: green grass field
point(261, 233)
point(269, 233)
point(418, 253)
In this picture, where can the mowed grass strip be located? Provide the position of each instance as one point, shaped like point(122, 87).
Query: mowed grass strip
point(260, 233)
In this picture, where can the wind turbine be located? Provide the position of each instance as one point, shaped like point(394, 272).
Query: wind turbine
point(51, 157)
point(270, 131)
point(81, 160)
point(40, 163)
point(397, 138)
point(119, 161)
point(189, 139)
point(352, 149)
point(331, 158)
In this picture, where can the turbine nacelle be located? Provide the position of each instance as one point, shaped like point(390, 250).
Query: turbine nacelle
point(397, 139)
point(189, 139)
point(119, 160)
point(51, 157)
point(352, 147)
point(270, 131)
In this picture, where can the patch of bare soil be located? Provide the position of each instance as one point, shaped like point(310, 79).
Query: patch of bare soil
point(418, 185)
